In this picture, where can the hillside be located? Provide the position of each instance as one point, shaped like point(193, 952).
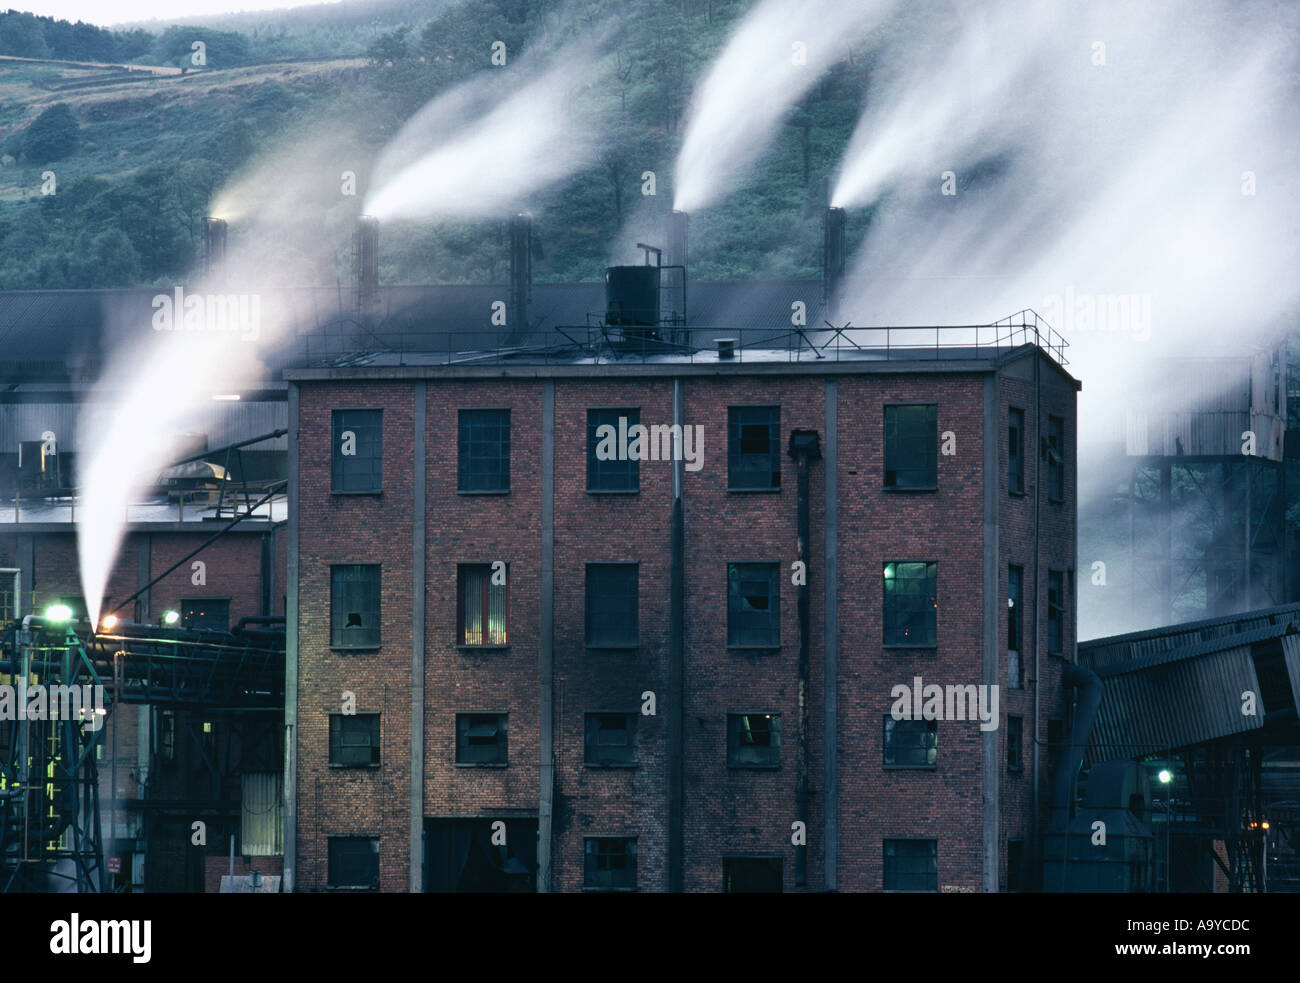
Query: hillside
point(149, 151)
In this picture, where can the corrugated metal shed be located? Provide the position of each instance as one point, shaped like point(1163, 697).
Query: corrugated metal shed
point(1097, 653)
point(262, 827)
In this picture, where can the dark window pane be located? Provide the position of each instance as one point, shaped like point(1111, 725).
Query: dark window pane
point(911, 743)
point(610, 862)
point(753, 740)
point(1016, 445)
point(1055, 612)
point(1015, 738)
point(753, 604)
point(911, 865)
point(754, 447)
point(911, 446)
point(484, 450)
point(201, 613)
point(354, 739)
point(358, 451)
point(354, 862)
point(1055, 452)
point(481, 739)
point(482, 605)
point(611, 604)
point(751, 875)
point(911, 603)
point(354, 605)
point(611, 474)
point(611, 738)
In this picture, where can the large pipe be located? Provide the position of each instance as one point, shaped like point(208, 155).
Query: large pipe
point(805, 447)
point(1090, 689)
point(833, 260)
point(521, 274)
point(674, 277)
point(214, 244)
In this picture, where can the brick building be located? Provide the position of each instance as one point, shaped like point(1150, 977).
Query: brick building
point(639, 673)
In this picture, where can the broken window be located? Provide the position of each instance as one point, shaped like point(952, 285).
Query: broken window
point(354, 605)
point(483, 604)
point(484, 448)
point(911, 604)
point(354, 739)
point(481, 739)
point(1054, 451)
point(1016, 452)
point(753, 448)
point(611, 605)
point(611, 739)
point(610, 863)
point(1015, 588)
point(753, 605)
point(911, 865)
point(611, 475)
point(753, 740)
point(911, 743)
point(357, 464)
point(354, 862)
point(1055, 613)
point(911, 446)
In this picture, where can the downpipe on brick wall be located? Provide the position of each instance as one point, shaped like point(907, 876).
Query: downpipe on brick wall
point(805, 447)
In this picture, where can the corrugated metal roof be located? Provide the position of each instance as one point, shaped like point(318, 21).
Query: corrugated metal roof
point(1174, 704)
point(1099, 652)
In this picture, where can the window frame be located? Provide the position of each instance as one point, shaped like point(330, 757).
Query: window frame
point(335, 449)
point(589, 733)
point(634, 467)
point(887, 441)
point(503, 737)
point(735, 728)
point(734, 611)
point(461, 450)
point(1055, 442)
point(587, 855)
point(484, 627)
point(885, 868)
point(1056, 612)
point(734, 452)
point(330, 840)
point(375, 746)
point(635, 621)
point(1016, 736)
point(885, 610)
point(336, 635)
point(1016, 451)
point(931, 725)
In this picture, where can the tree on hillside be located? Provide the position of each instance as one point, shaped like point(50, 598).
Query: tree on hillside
point(22, 35)
point(52, 135)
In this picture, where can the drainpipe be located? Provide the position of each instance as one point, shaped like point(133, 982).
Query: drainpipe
point(1036, 843)
point(805, 447)
point(676, 737)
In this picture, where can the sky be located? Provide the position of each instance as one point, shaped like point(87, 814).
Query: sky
point(106, 12)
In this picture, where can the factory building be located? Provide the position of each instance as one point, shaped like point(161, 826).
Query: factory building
point(532, 647)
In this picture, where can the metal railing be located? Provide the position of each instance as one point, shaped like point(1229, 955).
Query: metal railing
point(160, 504)
point(354, 342)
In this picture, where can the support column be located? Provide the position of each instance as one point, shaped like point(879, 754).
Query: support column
point(418, 522)
point(546, 704)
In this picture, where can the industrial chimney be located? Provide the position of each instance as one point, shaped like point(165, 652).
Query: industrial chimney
point(366, 252)
point(833, 261)
point(214, 244)
point(521, 274)
point(673, 279)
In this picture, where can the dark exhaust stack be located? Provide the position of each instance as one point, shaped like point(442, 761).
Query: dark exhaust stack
point(365, 243)
point(632, 301)
point(521, 274)
point(673, 279)
point(833, 261)
point(214, 244)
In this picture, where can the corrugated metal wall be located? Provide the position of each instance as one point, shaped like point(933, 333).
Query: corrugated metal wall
point(262, 828)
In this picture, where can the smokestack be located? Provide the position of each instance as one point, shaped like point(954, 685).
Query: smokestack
point(521, 274)
point(833, 261)
point(674, 280)
point(214, 244)
point(366, 251)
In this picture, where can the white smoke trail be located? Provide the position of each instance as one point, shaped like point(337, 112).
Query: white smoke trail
point(779, 51)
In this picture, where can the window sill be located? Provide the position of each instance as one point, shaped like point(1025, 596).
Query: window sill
point(608, 890)
point(754, 491)
point(484, 648)
point(378, 493)
point(356, 767)
point(1055, 501)
point(355, 648)
point(934, 647)
point(499, 491)
point(613, 765)
point(340, 889)
point(910, 767)
point(613, 648)
point(754, 648)
point(895, 489)
point(482, 764)
point(775, 767)
point(1016, 494)
point(1015, 771)
point(613, 491)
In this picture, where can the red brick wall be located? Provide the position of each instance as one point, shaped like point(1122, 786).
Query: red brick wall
point(215, 868)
